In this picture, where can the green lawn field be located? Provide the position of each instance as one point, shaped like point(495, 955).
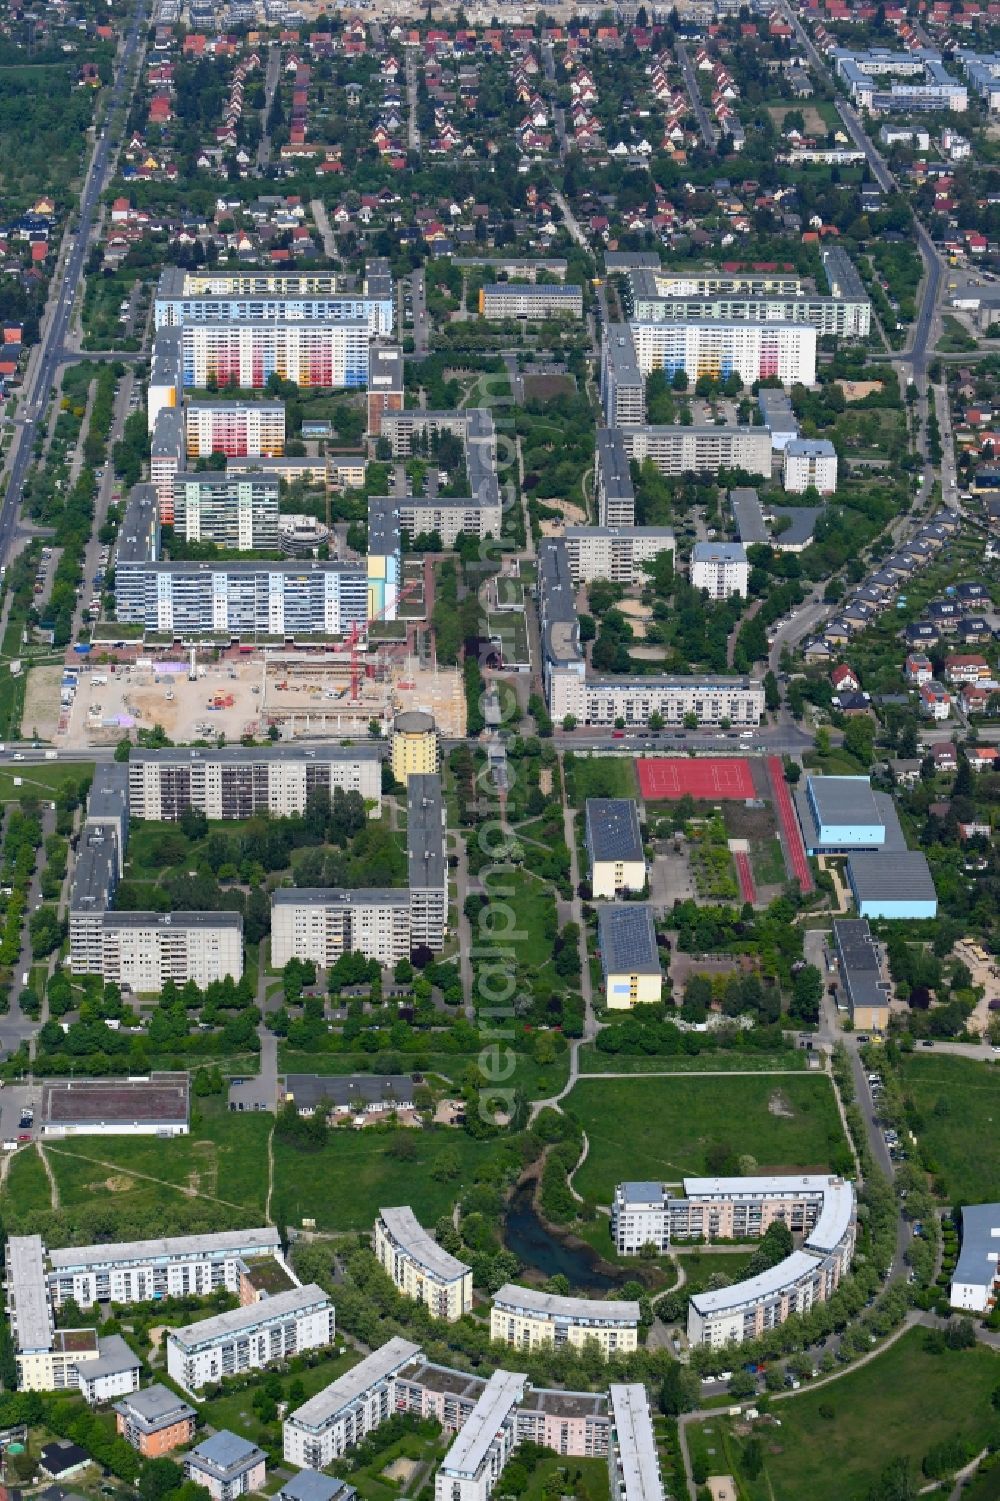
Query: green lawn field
point(601, 776)
point(27, 1183)
point(223, 1163)
point(663, 1128)
point(588, 1479)
point(343, 1186)
point(42, 781)
point(530, 933)
point(835, 1442)
point(593, 1061)
point(958, 1102)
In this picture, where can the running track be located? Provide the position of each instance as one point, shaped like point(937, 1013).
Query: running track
point(748, 890)
point(794, 848)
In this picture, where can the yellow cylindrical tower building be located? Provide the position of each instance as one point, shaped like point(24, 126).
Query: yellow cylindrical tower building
point(415, 746)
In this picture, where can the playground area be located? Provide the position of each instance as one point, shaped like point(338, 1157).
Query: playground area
point(671, 777)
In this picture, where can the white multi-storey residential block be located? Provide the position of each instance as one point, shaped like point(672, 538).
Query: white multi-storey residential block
point(633, 1464)
point(321, 923)
point(721, 568)
point(473, 1464)
point(810, 461)
point(246, 355)
point(239, 429)
point(615, 552)
point(250, 1338)
point(142, 950)
point(345, 1412)
point(241, 781)
point(753, 351)
point(675, 449)
point(183, 1266)
point(237, 511)
point(807, 1276)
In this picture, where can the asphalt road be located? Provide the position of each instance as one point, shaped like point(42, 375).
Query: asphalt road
point(708, 132)
point(421, 322)
point(57, 322)
point(916, 354)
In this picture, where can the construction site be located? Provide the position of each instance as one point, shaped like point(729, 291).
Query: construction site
point(241, 692)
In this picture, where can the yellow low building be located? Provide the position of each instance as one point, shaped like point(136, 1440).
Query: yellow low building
point(527, 1318)
point(419, 1267)
point(630, 958)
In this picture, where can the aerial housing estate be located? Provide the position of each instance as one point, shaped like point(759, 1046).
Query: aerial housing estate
point(39, 1282)
point(822, 1209)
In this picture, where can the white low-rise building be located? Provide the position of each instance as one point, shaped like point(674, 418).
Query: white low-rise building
point(975, 1278)
point(250, 1338)
point(419, 1267)
point(473, 1464)
point(633, 1464)
point(345, 1412)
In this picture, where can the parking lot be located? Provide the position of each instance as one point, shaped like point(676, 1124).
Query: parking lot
point(15, 1101)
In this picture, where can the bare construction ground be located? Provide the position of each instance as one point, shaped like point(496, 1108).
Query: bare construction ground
point(109, 704)
point(41, 702)
point(439, 692)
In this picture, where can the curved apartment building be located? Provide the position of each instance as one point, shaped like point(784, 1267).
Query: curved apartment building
point(808, 1276)
point(816, 1206)
point(419, 1267)
point(526, 1317)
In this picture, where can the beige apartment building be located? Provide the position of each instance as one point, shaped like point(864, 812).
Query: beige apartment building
point(419, 1267)
point(615, 552)
point(526, 1318)
point(239, 781)
point(321, 923)
point(143, 950)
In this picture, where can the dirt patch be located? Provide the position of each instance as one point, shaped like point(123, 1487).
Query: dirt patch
point(857, 390)
point(41, 702)
point(119, 1185)
point(812, 119)
point(439, 692)
point(401, 1469)
point(545, 780)
point(572, 514)
point(545, 387)
point(748, 823)
point(778, 1105)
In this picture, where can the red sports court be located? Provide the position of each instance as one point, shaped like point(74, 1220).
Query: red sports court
point(710, 779)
